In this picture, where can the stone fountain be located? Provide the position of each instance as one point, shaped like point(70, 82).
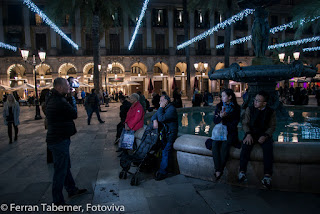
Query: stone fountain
point(263, 74)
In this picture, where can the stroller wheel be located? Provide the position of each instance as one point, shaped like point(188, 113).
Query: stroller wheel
point(134, 181)
point(123, 175)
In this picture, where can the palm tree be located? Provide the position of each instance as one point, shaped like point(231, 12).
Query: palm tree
point(307, 8)
point(224, 7)
point(97, 15)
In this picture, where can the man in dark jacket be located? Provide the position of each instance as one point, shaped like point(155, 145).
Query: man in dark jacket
point(124, 108)
point(92, 105)
point(168, 117)
point(259, 123)
point(60, 113)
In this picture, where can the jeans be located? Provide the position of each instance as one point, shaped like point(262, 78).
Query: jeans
point(267, 148)
point(167, 152)
point(90, 112)
point(220, 153)
point(62, 175)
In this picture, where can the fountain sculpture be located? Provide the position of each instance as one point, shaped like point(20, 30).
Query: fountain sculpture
point(262, 75)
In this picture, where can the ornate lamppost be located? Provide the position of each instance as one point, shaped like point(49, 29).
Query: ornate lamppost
point(42, 56)
point(202, 68)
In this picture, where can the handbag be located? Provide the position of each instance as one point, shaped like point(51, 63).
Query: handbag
point(219, 132)
point(126, 139)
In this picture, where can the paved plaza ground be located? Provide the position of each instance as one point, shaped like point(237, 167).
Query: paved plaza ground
point(25, 177)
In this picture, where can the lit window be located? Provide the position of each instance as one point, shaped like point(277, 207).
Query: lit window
point(39, 20)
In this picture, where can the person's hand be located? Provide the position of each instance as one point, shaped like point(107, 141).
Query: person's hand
point(126, 127)
point(223, 114)
point(155, 124)
point(262, 139)
point(248, 140)
point(163, 103)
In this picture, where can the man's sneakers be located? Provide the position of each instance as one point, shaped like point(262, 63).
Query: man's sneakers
point(77, 193)
point(242, 177)
point(159, 176)
point(266, 182)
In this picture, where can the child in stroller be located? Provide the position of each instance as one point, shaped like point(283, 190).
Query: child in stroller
point(141, 156)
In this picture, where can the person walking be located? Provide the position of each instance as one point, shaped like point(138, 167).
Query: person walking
point(259, 123)
point(11, 113)
point(228, 113)
point(61, 110)
point(92, 103)
point(168, 117)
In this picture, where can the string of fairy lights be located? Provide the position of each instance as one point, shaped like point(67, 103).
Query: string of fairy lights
point(273, 30)
point(35, 9)
point(7, 46)
point(294, 43)
point(144, 8)
point(311, 49)
point(217, 27)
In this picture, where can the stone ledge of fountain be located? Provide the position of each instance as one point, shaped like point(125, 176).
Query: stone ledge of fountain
point(296, 165)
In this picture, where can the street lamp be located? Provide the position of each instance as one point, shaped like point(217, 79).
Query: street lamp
point(202, 69)
point(42, 56)
point(109, 68)
point(296, 56)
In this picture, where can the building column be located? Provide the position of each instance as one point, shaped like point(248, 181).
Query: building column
point(78, 32)
point(191, 21)
point(212, 40)
point(165, 84)
point(170, 26)
point(53, 40)
point(149, 32)
point(26, 22)
point(249, 21)
point(183, 85)
point(283, 33)
point(232, 49)
point(103, 50)
point(1, 30)
point(125, 31)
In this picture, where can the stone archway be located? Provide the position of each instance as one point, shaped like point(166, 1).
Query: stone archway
point(44, 74)
point(16, 74)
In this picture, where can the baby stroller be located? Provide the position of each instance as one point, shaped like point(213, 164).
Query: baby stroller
point(140, 156)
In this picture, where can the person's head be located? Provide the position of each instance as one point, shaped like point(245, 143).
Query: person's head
point(93, 91)
point(163, 93)
point(165, 99)
point(122, 99)
point(261, 100)
point(11, 99)
point(61, 85)
point(227, 96)
point(133, 98)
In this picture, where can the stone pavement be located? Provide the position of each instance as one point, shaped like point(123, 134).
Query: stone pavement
point(25, 177)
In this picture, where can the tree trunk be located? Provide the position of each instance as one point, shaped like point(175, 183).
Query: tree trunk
point(227, 38)
point(186, 38)
point(96, 51)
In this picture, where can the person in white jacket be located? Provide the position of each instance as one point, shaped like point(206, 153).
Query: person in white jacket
point(11, 113)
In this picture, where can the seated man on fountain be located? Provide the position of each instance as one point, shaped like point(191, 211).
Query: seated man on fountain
point(259, 123)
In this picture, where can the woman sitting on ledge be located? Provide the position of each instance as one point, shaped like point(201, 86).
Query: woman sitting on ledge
point(228, 113)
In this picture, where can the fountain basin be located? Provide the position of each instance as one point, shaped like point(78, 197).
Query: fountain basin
point(296, 166)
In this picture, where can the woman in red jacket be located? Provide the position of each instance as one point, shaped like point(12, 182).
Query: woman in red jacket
point(135, 116)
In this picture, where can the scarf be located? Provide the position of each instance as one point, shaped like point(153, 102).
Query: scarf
point(228, 107)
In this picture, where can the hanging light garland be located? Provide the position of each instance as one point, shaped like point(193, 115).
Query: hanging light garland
point(35, 9)
point(9, 47)
point(311, 49)
point(297, 42)
point(144, 8)
point(272, 30)
point(219, 26)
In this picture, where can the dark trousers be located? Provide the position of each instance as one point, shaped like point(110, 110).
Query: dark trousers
point(10, 124)
point(90, 112)
point(120, 127)
point(62, 175)
point(267, 148)
point(220, 154)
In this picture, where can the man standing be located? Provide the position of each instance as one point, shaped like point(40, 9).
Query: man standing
point(92, 103)
point(259, 123)
point(60, 113)
point(168, 117)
